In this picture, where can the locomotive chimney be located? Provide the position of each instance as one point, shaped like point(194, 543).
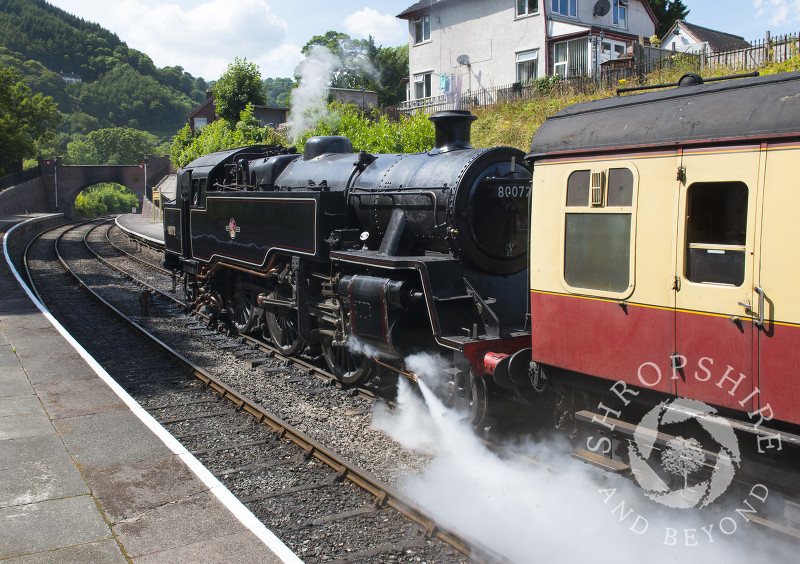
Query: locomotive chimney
point(452, 130)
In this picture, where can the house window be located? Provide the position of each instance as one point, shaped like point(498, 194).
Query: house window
point(598, 230)
point(527, 66)
point(611, 50)
point(716, 232)
point(422, 85)
point(422, 28)
point(620, 13)
point(565, 7)
point(527, 7)
point(571, 58)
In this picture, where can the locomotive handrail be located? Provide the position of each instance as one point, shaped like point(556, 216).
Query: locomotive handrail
point(391, 193)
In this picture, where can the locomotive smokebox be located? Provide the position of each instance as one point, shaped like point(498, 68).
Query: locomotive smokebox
point(452, 130)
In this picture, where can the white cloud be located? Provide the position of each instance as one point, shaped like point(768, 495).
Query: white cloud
point(385, 28)
point(778, 12)
point(202, 37)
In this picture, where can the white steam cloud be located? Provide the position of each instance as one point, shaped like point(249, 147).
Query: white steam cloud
point(566, 512)
point(309, 99)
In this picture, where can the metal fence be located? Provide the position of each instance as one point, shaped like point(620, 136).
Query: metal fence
point(635, 66)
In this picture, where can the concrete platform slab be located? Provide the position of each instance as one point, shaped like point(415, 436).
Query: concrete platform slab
point(13, 382)
point(27, 425)
point(20, 405)
point(96, 440)
point(42, 526)
point(76, 397)
point(154, 530)
point(98, 552)
point(236, 548)
point(32, 450)
point(126, 491)
point(40, 482)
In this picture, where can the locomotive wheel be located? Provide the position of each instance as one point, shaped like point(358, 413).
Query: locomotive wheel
point(471, 395)
point(282, 327)
point(348, 367)
point(242, 310)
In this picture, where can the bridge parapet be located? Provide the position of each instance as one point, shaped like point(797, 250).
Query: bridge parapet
point(69, 180)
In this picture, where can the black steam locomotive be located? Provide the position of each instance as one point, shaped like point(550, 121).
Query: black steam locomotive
point(368, 258)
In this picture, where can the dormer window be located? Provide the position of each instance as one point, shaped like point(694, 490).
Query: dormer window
point(620, 13)
point(565, 7)
point(422, 28)
point(527, 7)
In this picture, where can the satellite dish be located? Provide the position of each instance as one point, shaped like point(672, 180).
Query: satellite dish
point(464, 59)
point(601, 8)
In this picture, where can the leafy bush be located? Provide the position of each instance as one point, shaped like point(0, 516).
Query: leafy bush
point(411, 134)
point(220, 135)
point(102, 199)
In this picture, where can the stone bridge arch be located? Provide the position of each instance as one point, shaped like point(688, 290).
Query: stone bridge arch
point(67, 181)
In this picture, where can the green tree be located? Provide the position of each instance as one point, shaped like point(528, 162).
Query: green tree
point(238, 86)
point(277, 91)
point(104, 198)
point(392, 64)
point(667, 12)
point(25, 120)
point(113, 146)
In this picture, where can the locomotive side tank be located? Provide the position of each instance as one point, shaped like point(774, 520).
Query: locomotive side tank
point(363, 255)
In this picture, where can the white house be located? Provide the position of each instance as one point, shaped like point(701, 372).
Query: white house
point(469, 45)
point(689, 38)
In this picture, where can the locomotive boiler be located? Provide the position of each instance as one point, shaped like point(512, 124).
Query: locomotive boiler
point(363, 256)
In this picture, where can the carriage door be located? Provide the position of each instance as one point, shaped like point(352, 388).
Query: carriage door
point(714, 322)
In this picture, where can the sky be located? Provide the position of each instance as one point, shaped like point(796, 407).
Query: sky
point(204, 36)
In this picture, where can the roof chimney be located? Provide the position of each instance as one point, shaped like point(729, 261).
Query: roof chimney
point(452, 130)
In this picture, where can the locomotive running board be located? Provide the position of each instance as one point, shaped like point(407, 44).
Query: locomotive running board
point(757, 520)
point(600, 461)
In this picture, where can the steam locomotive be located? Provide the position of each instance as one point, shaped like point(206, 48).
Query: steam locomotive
point(371, 258)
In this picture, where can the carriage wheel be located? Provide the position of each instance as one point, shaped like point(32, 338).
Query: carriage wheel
point(282, 326)
point(471, 395)
point(349, 367)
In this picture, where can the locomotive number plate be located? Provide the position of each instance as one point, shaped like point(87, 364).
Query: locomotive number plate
point(513, 191)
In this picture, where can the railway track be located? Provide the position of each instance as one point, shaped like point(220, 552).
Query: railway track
point(323, 506)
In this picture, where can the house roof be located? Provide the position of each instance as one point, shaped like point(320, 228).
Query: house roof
point(717, 40)
point(421, 7)
point(209, 100)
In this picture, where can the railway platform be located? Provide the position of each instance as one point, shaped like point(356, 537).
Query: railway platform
point(143, 226)
point(85, 474)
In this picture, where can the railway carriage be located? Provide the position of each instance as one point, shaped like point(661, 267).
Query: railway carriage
point(663, 237)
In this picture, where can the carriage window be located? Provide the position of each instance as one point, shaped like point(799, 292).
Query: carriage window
point(598, 227)
point(716, 232)
point(578, 188)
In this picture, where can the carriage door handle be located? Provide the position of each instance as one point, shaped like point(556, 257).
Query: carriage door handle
point(760, 291)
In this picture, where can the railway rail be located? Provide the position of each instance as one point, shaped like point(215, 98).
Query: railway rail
point(270, 472)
